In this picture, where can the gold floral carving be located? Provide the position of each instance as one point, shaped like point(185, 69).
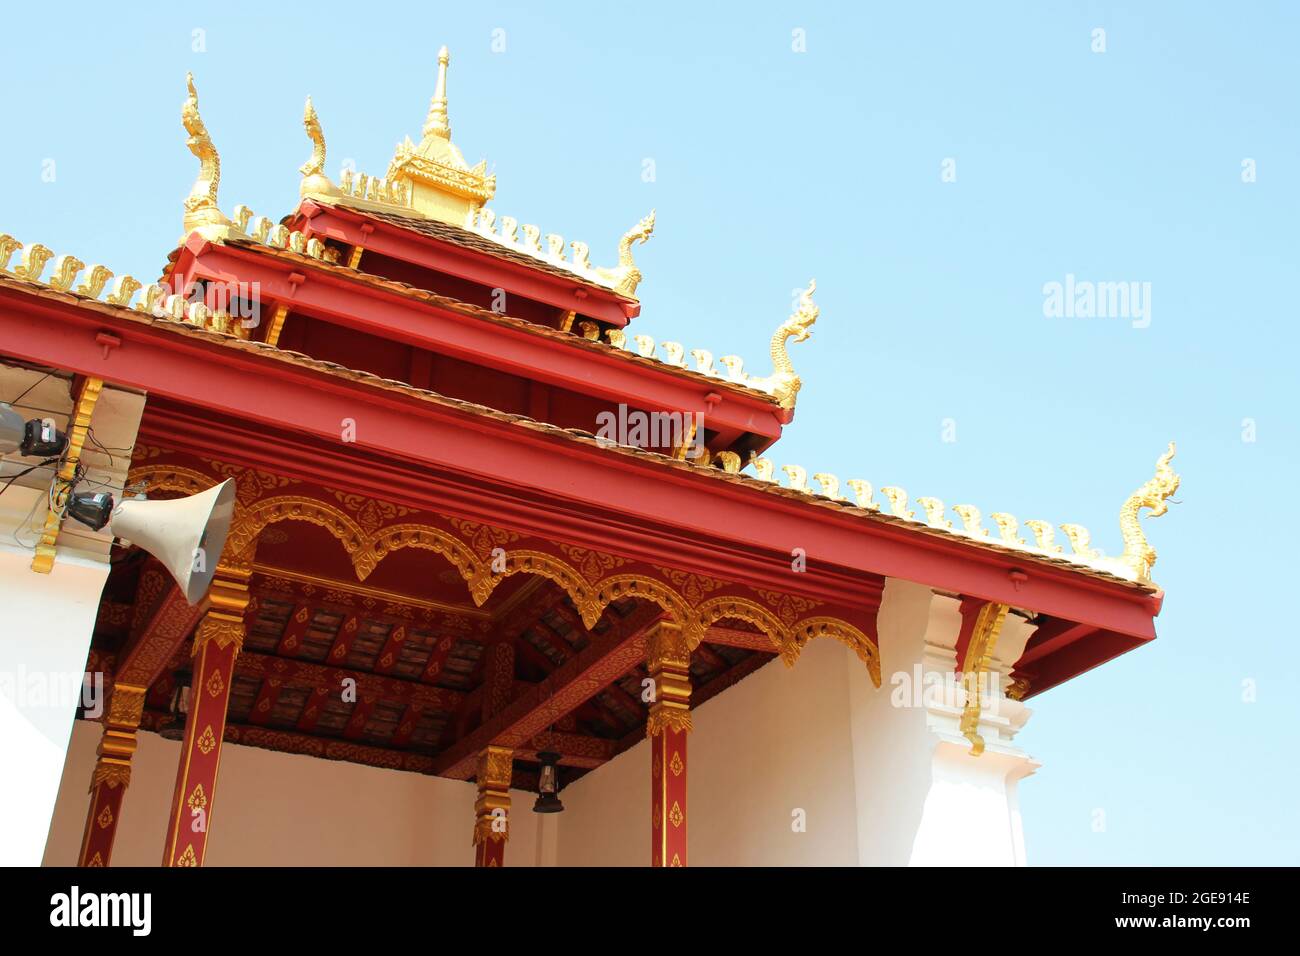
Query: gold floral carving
point(372, 513)
point(188, 858)
point(592, 564)
point(845, 633)
point(496, 768)
point(693, 587)
point(207, 740)
point(675, 815)
point(105, 818)
point(111, 773)
point(788, 607)
point(483, 538)
point(125, 705)
point(224, 630)
point(198, 800)
point(484, 830)
point(663, 718)
point(668, 661)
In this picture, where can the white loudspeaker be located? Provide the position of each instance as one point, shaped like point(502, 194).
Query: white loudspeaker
point(185, 534)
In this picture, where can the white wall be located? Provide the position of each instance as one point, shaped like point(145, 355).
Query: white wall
point(877, 780)
point(46, 620)
point(290, 810)
point(777, 742)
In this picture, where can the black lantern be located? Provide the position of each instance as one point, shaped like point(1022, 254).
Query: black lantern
point(173, 725)
point(548, 784)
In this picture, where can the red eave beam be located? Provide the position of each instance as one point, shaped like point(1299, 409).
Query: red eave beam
point(494, 272)
point(530, 480)
point(481, 342)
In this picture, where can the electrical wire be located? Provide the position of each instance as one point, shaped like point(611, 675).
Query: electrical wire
point(26, 471)
point(29, 388)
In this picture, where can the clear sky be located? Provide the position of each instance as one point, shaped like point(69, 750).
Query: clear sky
point(778, 156)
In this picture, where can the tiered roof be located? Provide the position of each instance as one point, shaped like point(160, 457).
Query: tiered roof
point(432, 194)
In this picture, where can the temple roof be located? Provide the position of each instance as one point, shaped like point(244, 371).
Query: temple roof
point(1084, 560)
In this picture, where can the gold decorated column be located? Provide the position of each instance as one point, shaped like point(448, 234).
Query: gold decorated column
point(217, 643)
point(668, 660)
point(112, 773)
point(492, 808)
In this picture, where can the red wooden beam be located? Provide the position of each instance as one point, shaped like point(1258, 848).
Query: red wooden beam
point(516, 349)
point(419, 451)
point(386, 239)
point(606, 659)
point(1050, 638)
point(156, 636)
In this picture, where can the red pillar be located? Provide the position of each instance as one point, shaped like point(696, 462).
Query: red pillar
point(492, 808)
point(668, 659)
point(112, 774)
point(217, 642)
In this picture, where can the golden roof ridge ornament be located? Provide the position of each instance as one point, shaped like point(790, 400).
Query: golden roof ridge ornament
point(625, 277)
point(784, 383)
point(202, 213)
point(1133, 565)
point(314, 179)
point(1139, 557)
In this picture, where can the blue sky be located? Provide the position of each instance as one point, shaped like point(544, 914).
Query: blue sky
point(772, 166)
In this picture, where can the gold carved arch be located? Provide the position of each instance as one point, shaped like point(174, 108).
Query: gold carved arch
point(620, 586)
point(243, 534)
point(840, 630)
point(366, 551)
point(548, 566)
point(395, 537)
point(740, 609)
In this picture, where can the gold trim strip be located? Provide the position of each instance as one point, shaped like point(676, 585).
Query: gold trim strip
point(78, 426)
point(395, 597)
point(979, 654)
point(277, 325)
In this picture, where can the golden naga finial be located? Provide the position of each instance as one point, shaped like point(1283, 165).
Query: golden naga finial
point(201, 209)
point(436, 123)
point(314, 179)
point(625, 277)
point(1139, 556)
point(784, 384)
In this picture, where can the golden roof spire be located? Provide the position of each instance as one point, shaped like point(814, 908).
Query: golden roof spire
point(441, 185)
point(436, 124)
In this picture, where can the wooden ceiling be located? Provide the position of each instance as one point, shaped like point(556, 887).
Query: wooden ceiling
point(428, 666)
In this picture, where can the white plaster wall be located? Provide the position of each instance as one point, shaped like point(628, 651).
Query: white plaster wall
point(879, 780)
point(45, 627)
point(285, 809)
point(46, 620)
point(777, 742)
